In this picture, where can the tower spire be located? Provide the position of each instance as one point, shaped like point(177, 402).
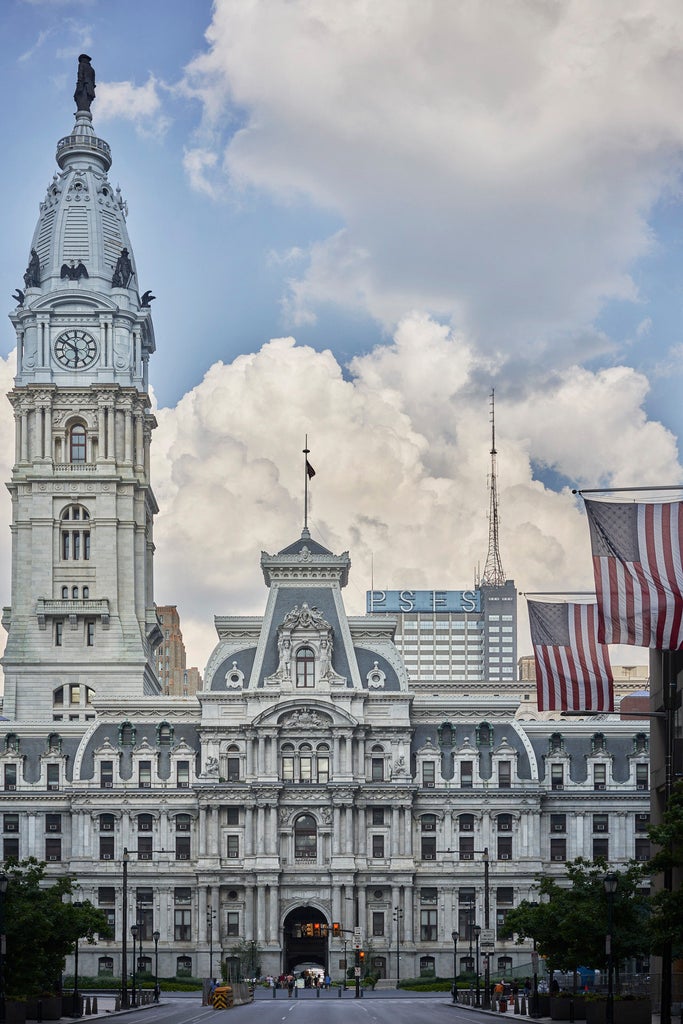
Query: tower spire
point(493, 575)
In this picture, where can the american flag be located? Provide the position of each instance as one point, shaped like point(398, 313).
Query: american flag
point(638, 572)
point(573, 671)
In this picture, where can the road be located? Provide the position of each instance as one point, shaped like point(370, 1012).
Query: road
point(377, 1008)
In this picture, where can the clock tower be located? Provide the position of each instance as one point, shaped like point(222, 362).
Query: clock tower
point(82, 623)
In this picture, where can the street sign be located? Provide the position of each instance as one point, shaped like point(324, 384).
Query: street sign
point(356, 972)
point(487, 939)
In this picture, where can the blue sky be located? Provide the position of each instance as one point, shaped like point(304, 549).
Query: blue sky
point(431, 200)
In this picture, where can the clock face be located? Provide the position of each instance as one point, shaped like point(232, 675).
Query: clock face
point(75, 349)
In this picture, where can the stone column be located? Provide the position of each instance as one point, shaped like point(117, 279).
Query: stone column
point(101, 431)
point(204, 904)
point(336, 831)
point(24, 434)
point(249, 912)
point(139, 459)
point(248, 831)
point(260, 826)
point(362, 909)
point(348, 812)
point(274, 914)
point(395, 831)
point(260, 913)
point(408, 912)
point(408, 829)
point(202, 831)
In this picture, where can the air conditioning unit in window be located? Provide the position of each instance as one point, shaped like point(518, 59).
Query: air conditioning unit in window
point(107, 785)
point(11, 787)
point(504, 856)
point(53, 786)
point(558, 785)
point(145, 785)
point(53, 828)
point(558, 828)
point(558, 856)
point(640, 785)
point(503, 828)
point(180, 856)
point(427, 856)
point(53, 856)
point(429, 785)
point(183, 785)
point(466, 856)
point(601, 828)
point(106, 856)
point(599, 785)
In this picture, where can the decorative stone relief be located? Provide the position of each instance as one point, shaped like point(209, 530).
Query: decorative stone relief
point(376, 678)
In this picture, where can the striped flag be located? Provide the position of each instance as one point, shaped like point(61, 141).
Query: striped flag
point(573, 672)
point(638, 573)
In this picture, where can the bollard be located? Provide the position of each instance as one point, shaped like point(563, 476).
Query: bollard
point(339, 990)
point(94, 1004)
point(87, 1006)
point(317, 992)
point(516, 1004)
point(274, 992)
point(117, 1004)
point(296, 991)
point(522, 1008)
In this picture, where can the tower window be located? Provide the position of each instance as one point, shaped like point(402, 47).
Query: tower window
point(75, 537)
point(59, 632)
point(77, 443)
point(305, 667)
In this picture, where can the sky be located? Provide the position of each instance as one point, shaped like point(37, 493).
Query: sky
point(357, 219)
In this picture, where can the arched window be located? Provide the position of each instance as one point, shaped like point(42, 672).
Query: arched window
point(305, 838)
point(75, 536)
point(145, 822)
point(74, 593)
point(183, 822)
point(77, 443)
point(183, 965)
point(427, 965)
point(305, 667)
point(504, 822)
point(105, 965)
point(65, 593)
point(165, 732)
point(505, 964)
point(58, 697)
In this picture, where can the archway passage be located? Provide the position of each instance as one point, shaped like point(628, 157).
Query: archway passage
point(305, 939)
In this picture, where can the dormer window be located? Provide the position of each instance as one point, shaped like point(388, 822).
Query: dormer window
point(305, 667)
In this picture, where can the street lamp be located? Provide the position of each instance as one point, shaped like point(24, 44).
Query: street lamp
point(134, 933)
point(477, 933)
point(487, 925)
point(455, 936)
point(156, 936)
point(610, 882)
point(398, 917)
point(124, 935)
point(4, 882)
point(76, 999)
point(210, 915)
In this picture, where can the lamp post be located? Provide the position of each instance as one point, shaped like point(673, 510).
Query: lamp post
point(76, 999)
point(210, 915)
point(610, 882)
point(4, 882)
point(477, 933)
point(455, 936)
point(134, 933)
point(398, 916)
point(156, 936)
point(487, 925)
point(124, 934)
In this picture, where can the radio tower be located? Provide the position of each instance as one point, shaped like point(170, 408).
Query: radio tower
point(493, 575)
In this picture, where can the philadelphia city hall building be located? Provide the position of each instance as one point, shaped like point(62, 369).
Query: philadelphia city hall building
point(379, 772)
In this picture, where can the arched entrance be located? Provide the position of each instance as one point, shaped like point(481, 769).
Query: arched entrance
point(305, 939)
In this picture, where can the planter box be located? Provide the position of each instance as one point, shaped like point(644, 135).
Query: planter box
point(560, 1008)
point(48, 1008)
point(15, 1012)
point(626, 1011)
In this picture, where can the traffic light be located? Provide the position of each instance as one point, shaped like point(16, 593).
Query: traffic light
point(316, 929)
point(308, 930)
point(336, 928)
point(361, 955)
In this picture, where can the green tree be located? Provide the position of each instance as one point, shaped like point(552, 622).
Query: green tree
point(42, 927)
point(666, 920)
point(569, 922)
point(249, 956)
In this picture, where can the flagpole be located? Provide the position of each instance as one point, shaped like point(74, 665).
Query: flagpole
point(619, 490)
point(306, 454)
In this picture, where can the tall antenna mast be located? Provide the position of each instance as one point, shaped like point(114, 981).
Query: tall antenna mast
point(493, 575)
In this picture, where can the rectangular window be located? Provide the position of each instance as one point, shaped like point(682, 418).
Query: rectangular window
point(90, 632)
point(428, 847)
point(642, 776)
point(76, 540)
point(504, 847)
point(182, 921)
point(378, 846)
point(53, 849)
point(232, 816)
point(429, 773)
point(466, 775)
point(106, 896)
point(234, 768)
point(182, 847)
point(10, 776)
point(558, 849)
point(599, 776)
point(505, 895)
point(428, 925)
point(10, 822)
point(287, 768)
point(466, 847)
point(145, 774)
point(377, 815)
point(305, 769)
point(106, 847)
point(181, 895)
point(600, 848)
point(323, 769)
point(145, 912)
point(144, 847)
point(558, 822)
point(233, 923)
point(466, 912)
point(501, 930)
point(106, 774)
point(504, 774)
point(557, 776)
point(53, 823)
point(642, 851)
point(65, 546)
point(86, 546)
point(377, 769)
point(428, 894)
point(233, 847)
point(53, 776)
point(59, 632)
point(642, 822)
point(600, 822)
point(10, 848)
point(378, 923)
point(183, 774)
